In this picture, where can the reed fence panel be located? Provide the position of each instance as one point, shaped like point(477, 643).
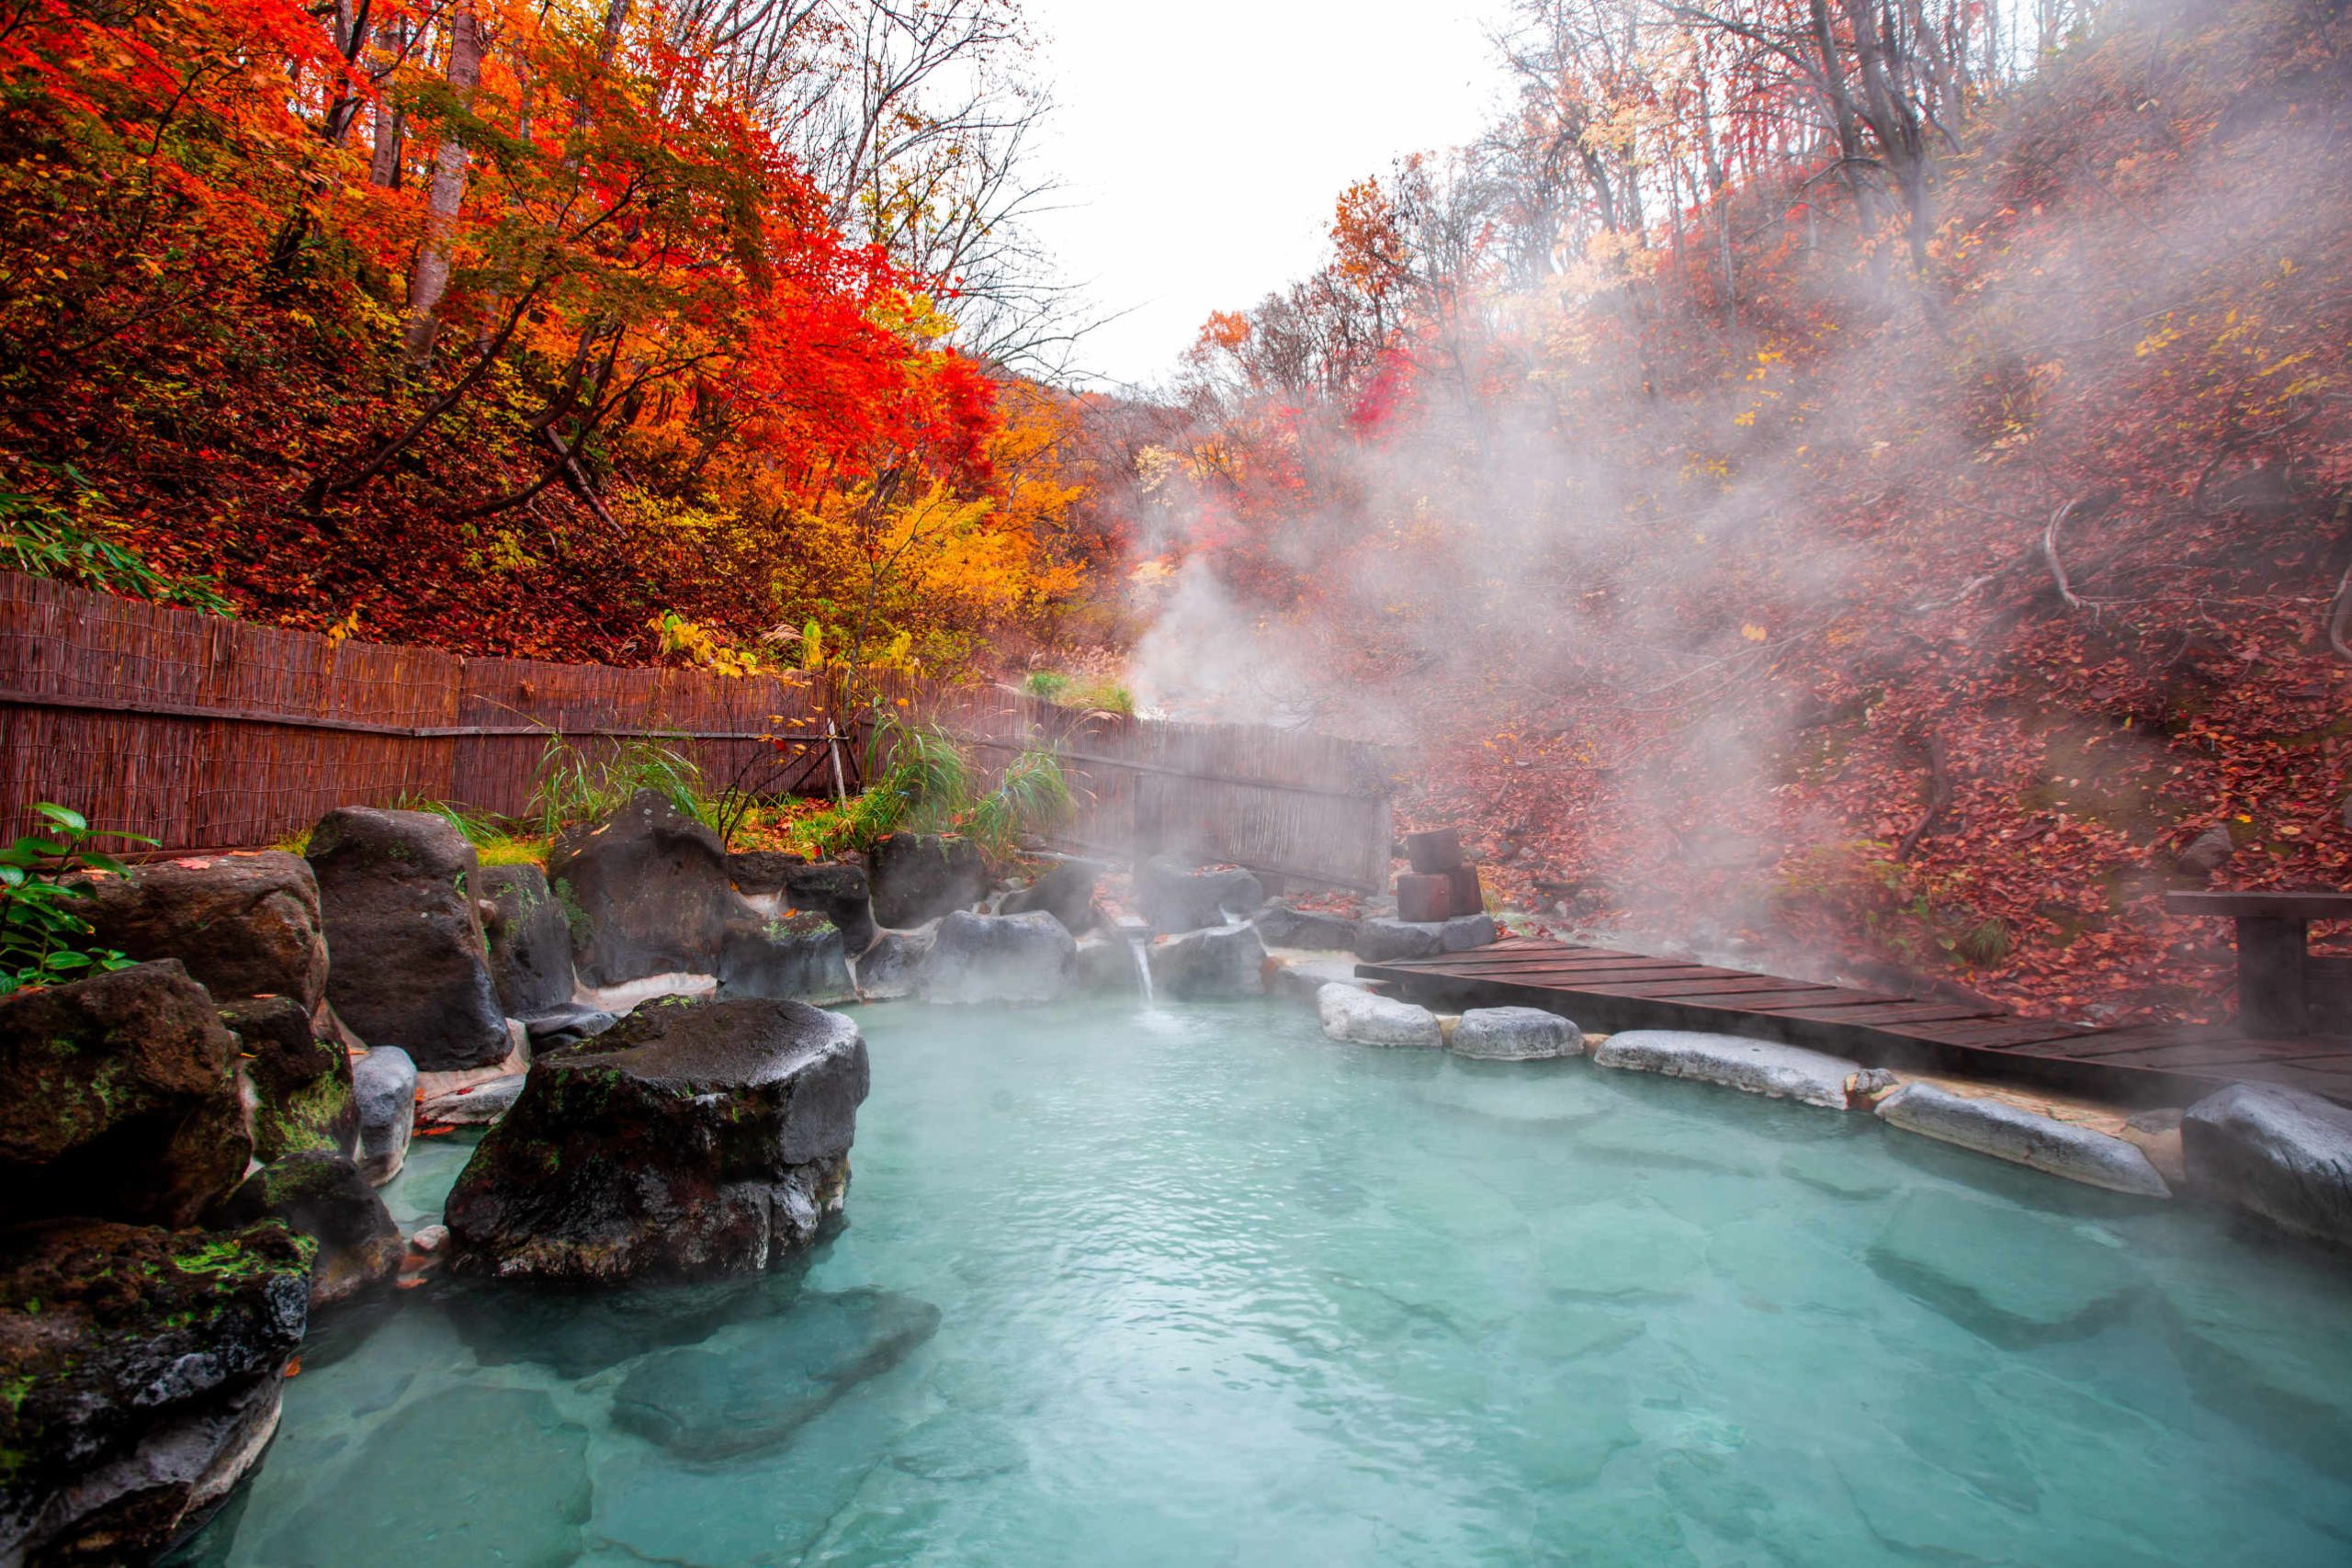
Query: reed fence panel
point(207, 733)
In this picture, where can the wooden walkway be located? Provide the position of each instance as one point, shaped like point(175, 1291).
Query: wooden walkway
point(1603, 991)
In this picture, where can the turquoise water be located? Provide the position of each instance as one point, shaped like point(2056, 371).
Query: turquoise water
point(1204, 1288)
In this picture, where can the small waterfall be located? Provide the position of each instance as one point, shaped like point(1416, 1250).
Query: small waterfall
point(1135, 943)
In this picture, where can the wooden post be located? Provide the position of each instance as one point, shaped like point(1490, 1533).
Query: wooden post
point(2272, 987)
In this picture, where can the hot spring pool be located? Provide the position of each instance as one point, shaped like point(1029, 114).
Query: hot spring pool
point(1200, 1287)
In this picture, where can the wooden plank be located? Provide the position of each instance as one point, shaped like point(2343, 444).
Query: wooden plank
point(1988, 1033)
point(1772, 1003)
point(1747, 990)
point(1537, 972)
point(1895, 1012)
point(2218, 1053)
point(2300, 905)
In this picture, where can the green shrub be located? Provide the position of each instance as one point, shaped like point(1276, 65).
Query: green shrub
point(573, 786)
point(40, 936)
point(41, 538)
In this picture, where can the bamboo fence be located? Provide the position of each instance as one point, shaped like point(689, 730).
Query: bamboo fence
point(207, 733)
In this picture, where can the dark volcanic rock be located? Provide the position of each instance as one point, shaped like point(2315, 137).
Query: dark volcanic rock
point(580, 1333)
point(322, 1195)
point(1386, 941)
point(120, 1098)
point(244, 925)
point(836, 891)
point(140, 1370)
point(2281, 1153)
point(1067, 893)
point(566, 1024)
point(998, 958)
point(410, 967)
point(647, 893)
point(921, 876)
point(758, 872)
point(1313, 929)
point(384, 1083)
point(300, 1074)
point(1220, 961)
point(891, 967)
point(706, 1403)
point(690, 1139)
point(474, 1476)
point(1174, 899)
point(529, 941)
point(781, 960)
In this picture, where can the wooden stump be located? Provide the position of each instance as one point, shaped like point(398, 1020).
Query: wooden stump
point(1464, 894)
point(1424, 897)
point(1434, 852)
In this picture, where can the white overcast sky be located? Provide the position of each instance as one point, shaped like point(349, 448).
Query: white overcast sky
point(1205, 142)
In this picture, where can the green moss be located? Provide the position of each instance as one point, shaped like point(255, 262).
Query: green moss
point(574, 915)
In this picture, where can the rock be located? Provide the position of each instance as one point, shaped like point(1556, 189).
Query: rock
point(1386, 941)
point(577, 1334)
point(838, 891)
point(321, 1194)
point(1360, 1018)
point(1306, 978)
point(1106, 962)
point(799, 959)
point(704, 1404)
point(410, 967)
point(120, 1098)
point(2281, 1153)
point(1752, 1066)
point(242, 925)
point(757, 873)
point(692, 1138)
point(1959, 1255)
point(477, 1474)
point(998, 958)
point(564, 1025)
point(917, 877)
point(1466, 931)
point(890, 968)
point(1314, 929)
point(1215, 963)
point(1515, 1034)
point(300, 1074)
point(2011, 1133)
point(140, 1370)
point(646, 893)
point(384, 1083)
point(477, 1105)
point(529, 939)
point(1869, 1085)
point(1173, 899)
point(1067, 893)
point(2208, 852)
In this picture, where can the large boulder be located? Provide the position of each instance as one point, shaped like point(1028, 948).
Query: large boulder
point(1754, 1066)
point(838, 891)
point(1386, 941)
point(1515, 1034)
point(1174, 899)
point(1066, 892)
point(693, 1138)
point(1208, 965)
point(2012, 1133)
point(473, 1105)
point(121, 1099)
point(891, 965)
point(410, 966)
point(528, 941)
point(799, 959)
point(2283, 1154)
point(1355, 1015)
point(244, 925)
point(1466, 931)
point(998, 958)
point(920, 876)
point(384, 1083)
point(647, 893)
point(1316, 931)
point(301, 1075)
point(760, 873)
point(321, 1194)
point(140, 1372)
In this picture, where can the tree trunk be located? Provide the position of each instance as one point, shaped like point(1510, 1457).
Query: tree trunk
point(430, 280)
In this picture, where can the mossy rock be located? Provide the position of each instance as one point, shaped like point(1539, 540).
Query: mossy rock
point(301, 1078)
